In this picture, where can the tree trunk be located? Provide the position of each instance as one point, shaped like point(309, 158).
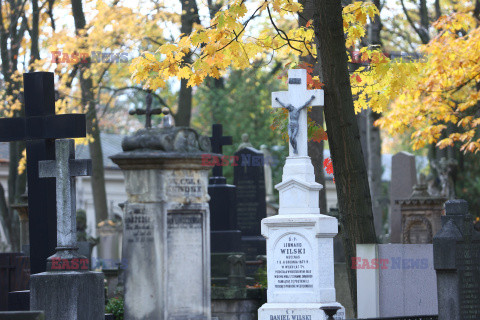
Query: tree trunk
point(374, 141)
point(351, 180)
point(34, 31)
point(315, 149)
point(189, 17)
point(95, 146)
point(11, 36)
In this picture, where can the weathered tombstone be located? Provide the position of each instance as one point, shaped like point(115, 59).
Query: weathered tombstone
point(395, 280)
point(300, 266)
point(249, 179)
point(110, 233)
point(404, 177)
point(166, 239)
point(456, 250)
point(225, 236)
point(39, 128)
point(421, 214)
point(68, 290)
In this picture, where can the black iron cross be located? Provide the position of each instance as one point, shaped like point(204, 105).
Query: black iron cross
point(148, 112)
point(40, 128)
point(218, 141)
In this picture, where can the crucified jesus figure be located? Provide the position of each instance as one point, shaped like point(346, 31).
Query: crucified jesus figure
point(293, 123)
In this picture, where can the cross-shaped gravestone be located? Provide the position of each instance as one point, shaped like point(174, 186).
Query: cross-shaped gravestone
point(39, 128)
point(148, 111)
point(218, 141)
point(295, 100)
point(65, 168)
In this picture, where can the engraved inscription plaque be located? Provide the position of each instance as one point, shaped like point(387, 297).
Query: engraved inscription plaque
point(138, 225)
point(184, 236)
point(468, 263)
point(184, 187)
point(293, 264)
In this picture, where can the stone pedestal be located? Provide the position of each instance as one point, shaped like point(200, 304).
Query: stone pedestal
point(76, 294)
point(166, 242)
point(300, 264)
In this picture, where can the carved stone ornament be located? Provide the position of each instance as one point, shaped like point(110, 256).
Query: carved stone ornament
point(172, 139)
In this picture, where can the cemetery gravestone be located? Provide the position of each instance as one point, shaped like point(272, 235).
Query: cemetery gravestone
point(402, 283)
point(67, 291)
point(421, 214)
point(404, 177)
point(300, 265)
point(249, 179)
point(225, 236)
point(166, 239)
point(39, 128)
point(456, 249)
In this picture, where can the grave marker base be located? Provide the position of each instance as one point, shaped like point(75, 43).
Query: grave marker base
point(298, 311)
point(78, 295)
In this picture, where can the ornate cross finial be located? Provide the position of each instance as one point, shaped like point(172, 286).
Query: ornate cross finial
point(148, 111)
point(295, 100)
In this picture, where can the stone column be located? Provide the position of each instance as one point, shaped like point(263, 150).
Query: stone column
point(166, 242)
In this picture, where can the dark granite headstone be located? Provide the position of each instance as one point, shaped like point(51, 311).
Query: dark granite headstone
point(224, 234)
point(456, 250)
point(249, 179)
point(19, 300)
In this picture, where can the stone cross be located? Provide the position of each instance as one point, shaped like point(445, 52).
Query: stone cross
point(218, 141)
point(65, 168)
point(148, 111)
point(295, 100)
point(39, 128)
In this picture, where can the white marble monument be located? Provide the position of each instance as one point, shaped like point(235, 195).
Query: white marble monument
point(299, 238)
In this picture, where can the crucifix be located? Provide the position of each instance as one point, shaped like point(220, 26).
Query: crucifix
point(218, 141)
point(148, 111)
point(296, 100)
point(64, 169)
point(40, 127)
